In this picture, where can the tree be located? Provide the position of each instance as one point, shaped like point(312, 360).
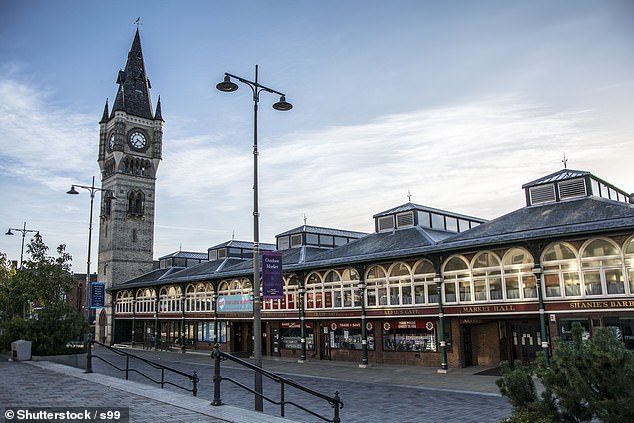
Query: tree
point(32, 301)
point(584, 380)
point(591, 378)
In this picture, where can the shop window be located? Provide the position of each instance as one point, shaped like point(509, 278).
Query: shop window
point(206, 332)
point(565, 328)
point(410, 335)
point(347, 335)
point(627, 329)
point(291, 333)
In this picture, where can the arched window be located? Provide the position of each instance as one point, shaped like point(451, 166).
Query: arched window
point(292, 292)
point(124, 302)
point(602, 268)
point(400, 284)
point(241, 286)
point(487, 277)
point(425, 289)
point(629, 262)
point(376, 286)
point(350, 281)
point(314, 291)
point(170, 299)
point(136, 203)
point(519, 280)
point(333, 290)
point(199, 297)
point(146, 300)
point(561, 271)
point(456, 279)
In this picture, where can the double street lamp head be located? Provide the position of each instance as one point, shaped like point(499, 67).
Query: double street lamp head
point(228, 86)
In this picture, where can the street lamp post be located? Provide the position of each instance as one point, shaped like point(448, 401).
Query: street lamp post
point(24, 231)
point(282, 105)
point(92, 189)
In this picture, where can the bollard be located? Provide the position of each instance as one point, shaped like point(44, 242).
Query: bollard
point(215, 354)
point(88, 354)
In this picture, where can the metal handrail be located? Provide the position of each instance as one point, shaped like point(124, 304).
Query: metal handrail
point(127, 369)
point(335, 402)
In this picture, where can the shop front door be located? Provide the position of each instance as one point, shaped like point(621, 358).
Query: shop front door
point(526, 340)
point(324, 351)
point(467, 345)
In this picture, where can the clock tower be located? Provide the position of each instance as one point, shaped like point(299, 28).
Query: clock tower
point(130, 144)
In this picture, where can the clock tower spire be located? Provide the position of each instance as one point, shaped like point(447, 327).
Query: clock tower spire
point(130, 148)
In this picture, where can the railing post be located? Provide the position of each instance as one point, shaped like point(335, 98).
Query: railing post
point(195, 383)
point(127, 366)
point(88, 354)
point(336, 406)
point(162, 377)
point(215, 354)
point(282, 399)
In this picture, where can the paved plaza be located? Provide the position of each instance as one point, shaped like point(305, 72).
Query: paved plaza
point(379, 393)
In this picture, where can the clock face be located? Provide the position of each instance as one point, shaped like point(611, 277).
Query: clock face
point(137, 140)
point(111, 142)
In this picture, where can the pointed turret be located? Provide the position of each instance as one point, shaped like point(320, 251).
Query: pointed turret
point(133, 96)
point(158, 115)
point(104, 117)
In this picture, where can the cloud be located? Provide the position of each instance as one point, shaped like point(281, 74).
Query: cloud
point(41, 140)
point(470, 157)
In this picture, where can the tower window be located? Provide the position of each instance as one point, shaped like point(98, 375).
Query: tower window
point(136, 203)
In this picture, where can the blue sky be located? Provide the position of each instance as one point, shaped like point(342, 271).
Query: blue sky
point(457, 102)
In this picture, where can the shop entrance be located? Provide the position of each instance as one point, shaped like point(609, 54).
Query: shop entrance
point(324, 351)
point(526, 341)
point(467, 346)
point(238, 337)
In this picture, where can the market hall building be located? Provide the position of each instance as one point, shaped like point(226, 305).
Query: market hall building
point(428, 287)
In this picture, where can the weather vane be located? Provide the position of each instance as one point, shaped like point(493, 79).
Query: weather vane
point(138, 23)
point(565, 161)
point(305, 219)
point(409, 196)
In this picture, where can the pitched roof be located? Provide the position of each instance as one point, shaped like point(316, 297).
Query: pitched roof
point(323, 231)
point(560, 175)
point(570, 217)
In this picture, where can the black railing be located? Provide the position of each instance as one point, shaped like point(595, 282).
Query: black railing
point(193, 378)
point(218, 356)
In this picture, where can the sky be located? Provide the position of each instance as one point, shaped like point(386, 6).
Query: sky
point(456, 103)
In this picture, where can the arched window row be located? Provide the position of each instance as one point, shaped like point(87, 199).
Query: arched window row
point(170, 299)
point(137, 166)
point(600, 267)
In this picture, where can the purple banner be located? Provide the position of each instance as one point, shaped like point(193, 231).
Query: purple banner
point(272, 283)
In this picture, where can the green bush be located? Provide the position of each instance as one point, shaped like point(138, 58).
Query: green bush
point(583, 381)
